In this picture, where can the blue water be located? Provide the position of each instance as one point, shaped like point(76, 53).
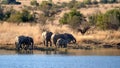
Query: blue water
point(58, 61)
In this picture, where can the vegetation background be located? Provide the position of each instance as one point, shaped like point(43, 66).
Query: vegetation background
point(31, 17)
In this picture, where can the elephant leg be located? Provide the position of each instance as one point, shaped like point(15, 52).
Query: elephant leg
point(50, 43)
point(18, 46)
point(46, 43)
point(65, 46)
point(30, 47)
point(26, 47)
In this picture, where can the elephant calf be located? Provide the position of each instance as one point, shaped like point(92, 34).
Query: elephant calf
point(46, 36)
point(24, 42)
point(61, 42)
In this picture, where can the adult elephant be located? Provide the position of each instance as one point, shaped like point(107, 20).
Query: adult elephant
point(70, 38)
point(55, 37)
point(66, 36)
point(46, 37)
point(25, 42)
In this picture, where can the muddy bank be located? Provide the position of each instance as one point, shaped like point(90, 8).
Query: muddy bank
point(72, 49)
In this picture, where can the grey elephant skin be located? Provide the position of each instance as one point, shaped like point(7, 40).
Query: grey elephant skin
point(46, 37)
point(61, 43)
point(66, 36)
point(25, 42)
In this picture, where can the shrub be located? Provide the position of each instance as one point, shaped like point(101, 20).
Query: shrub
point(26, 16)
point(109, 20)
point(87, 2)
point(72, 4)
point(23, 16)
point(73, 18)
point(45, 5)
point(103, 1)
point(1, 13)
point(17, 17)
point(34, 3)
point(112, 1)
point(10, 2)
point(95, 2)
point(5, 2)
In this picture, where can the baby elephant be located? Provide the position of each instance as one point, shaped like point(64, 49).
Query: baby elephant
point(61, 42)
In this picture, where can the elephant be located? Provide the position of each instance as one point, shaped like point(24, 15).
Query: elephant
point(46, 36)
point(70, 38)
point(61, 42)
point(66, 36)
point(25, 42)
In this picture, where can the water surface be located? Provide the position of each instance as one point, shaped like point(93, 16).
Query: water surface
point(58, 61)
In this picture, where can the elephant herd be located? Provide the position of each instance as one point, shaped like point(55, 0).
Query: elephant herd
point(58, 40)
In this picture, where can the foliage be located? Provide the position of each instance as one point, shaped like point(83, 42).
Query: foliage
point(87, 2)
point(73, 18)
point(108, 1)
point(48, 8)
point(10, 2)
point(16, 17)
point(1, 13)
point(72, 4)
point(95, 2)
point(112, 1)
point(23, 16)
point(109, 20)
point(34, 3)
point(103, 1)
point(45, 5)
point(5, 2)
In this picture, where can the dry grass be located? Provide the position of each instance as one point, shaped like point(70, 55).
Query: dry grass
point(8, 32)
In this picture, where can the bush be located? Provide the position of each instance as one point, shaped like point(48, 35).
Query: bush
point(72, 4)
point(17, 17)
point(26, 16)
point(5, 2)
point(103, 1)
point(73, 18)
point(112, 1)
point(1, 13)
point(23, 16)
point(95, 2)
point(34, 3)
point(45, 5)
point(10, 2)
point(109, 20)
point(108, 1)
point(87, 2)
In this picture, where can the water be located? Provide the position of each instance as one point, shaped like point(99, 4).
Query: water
point(58, 61)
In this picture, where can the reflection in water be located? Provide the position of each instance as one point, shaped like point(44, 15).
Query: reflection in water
point(55, 52)
point(101, 52)
point(24, 52)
